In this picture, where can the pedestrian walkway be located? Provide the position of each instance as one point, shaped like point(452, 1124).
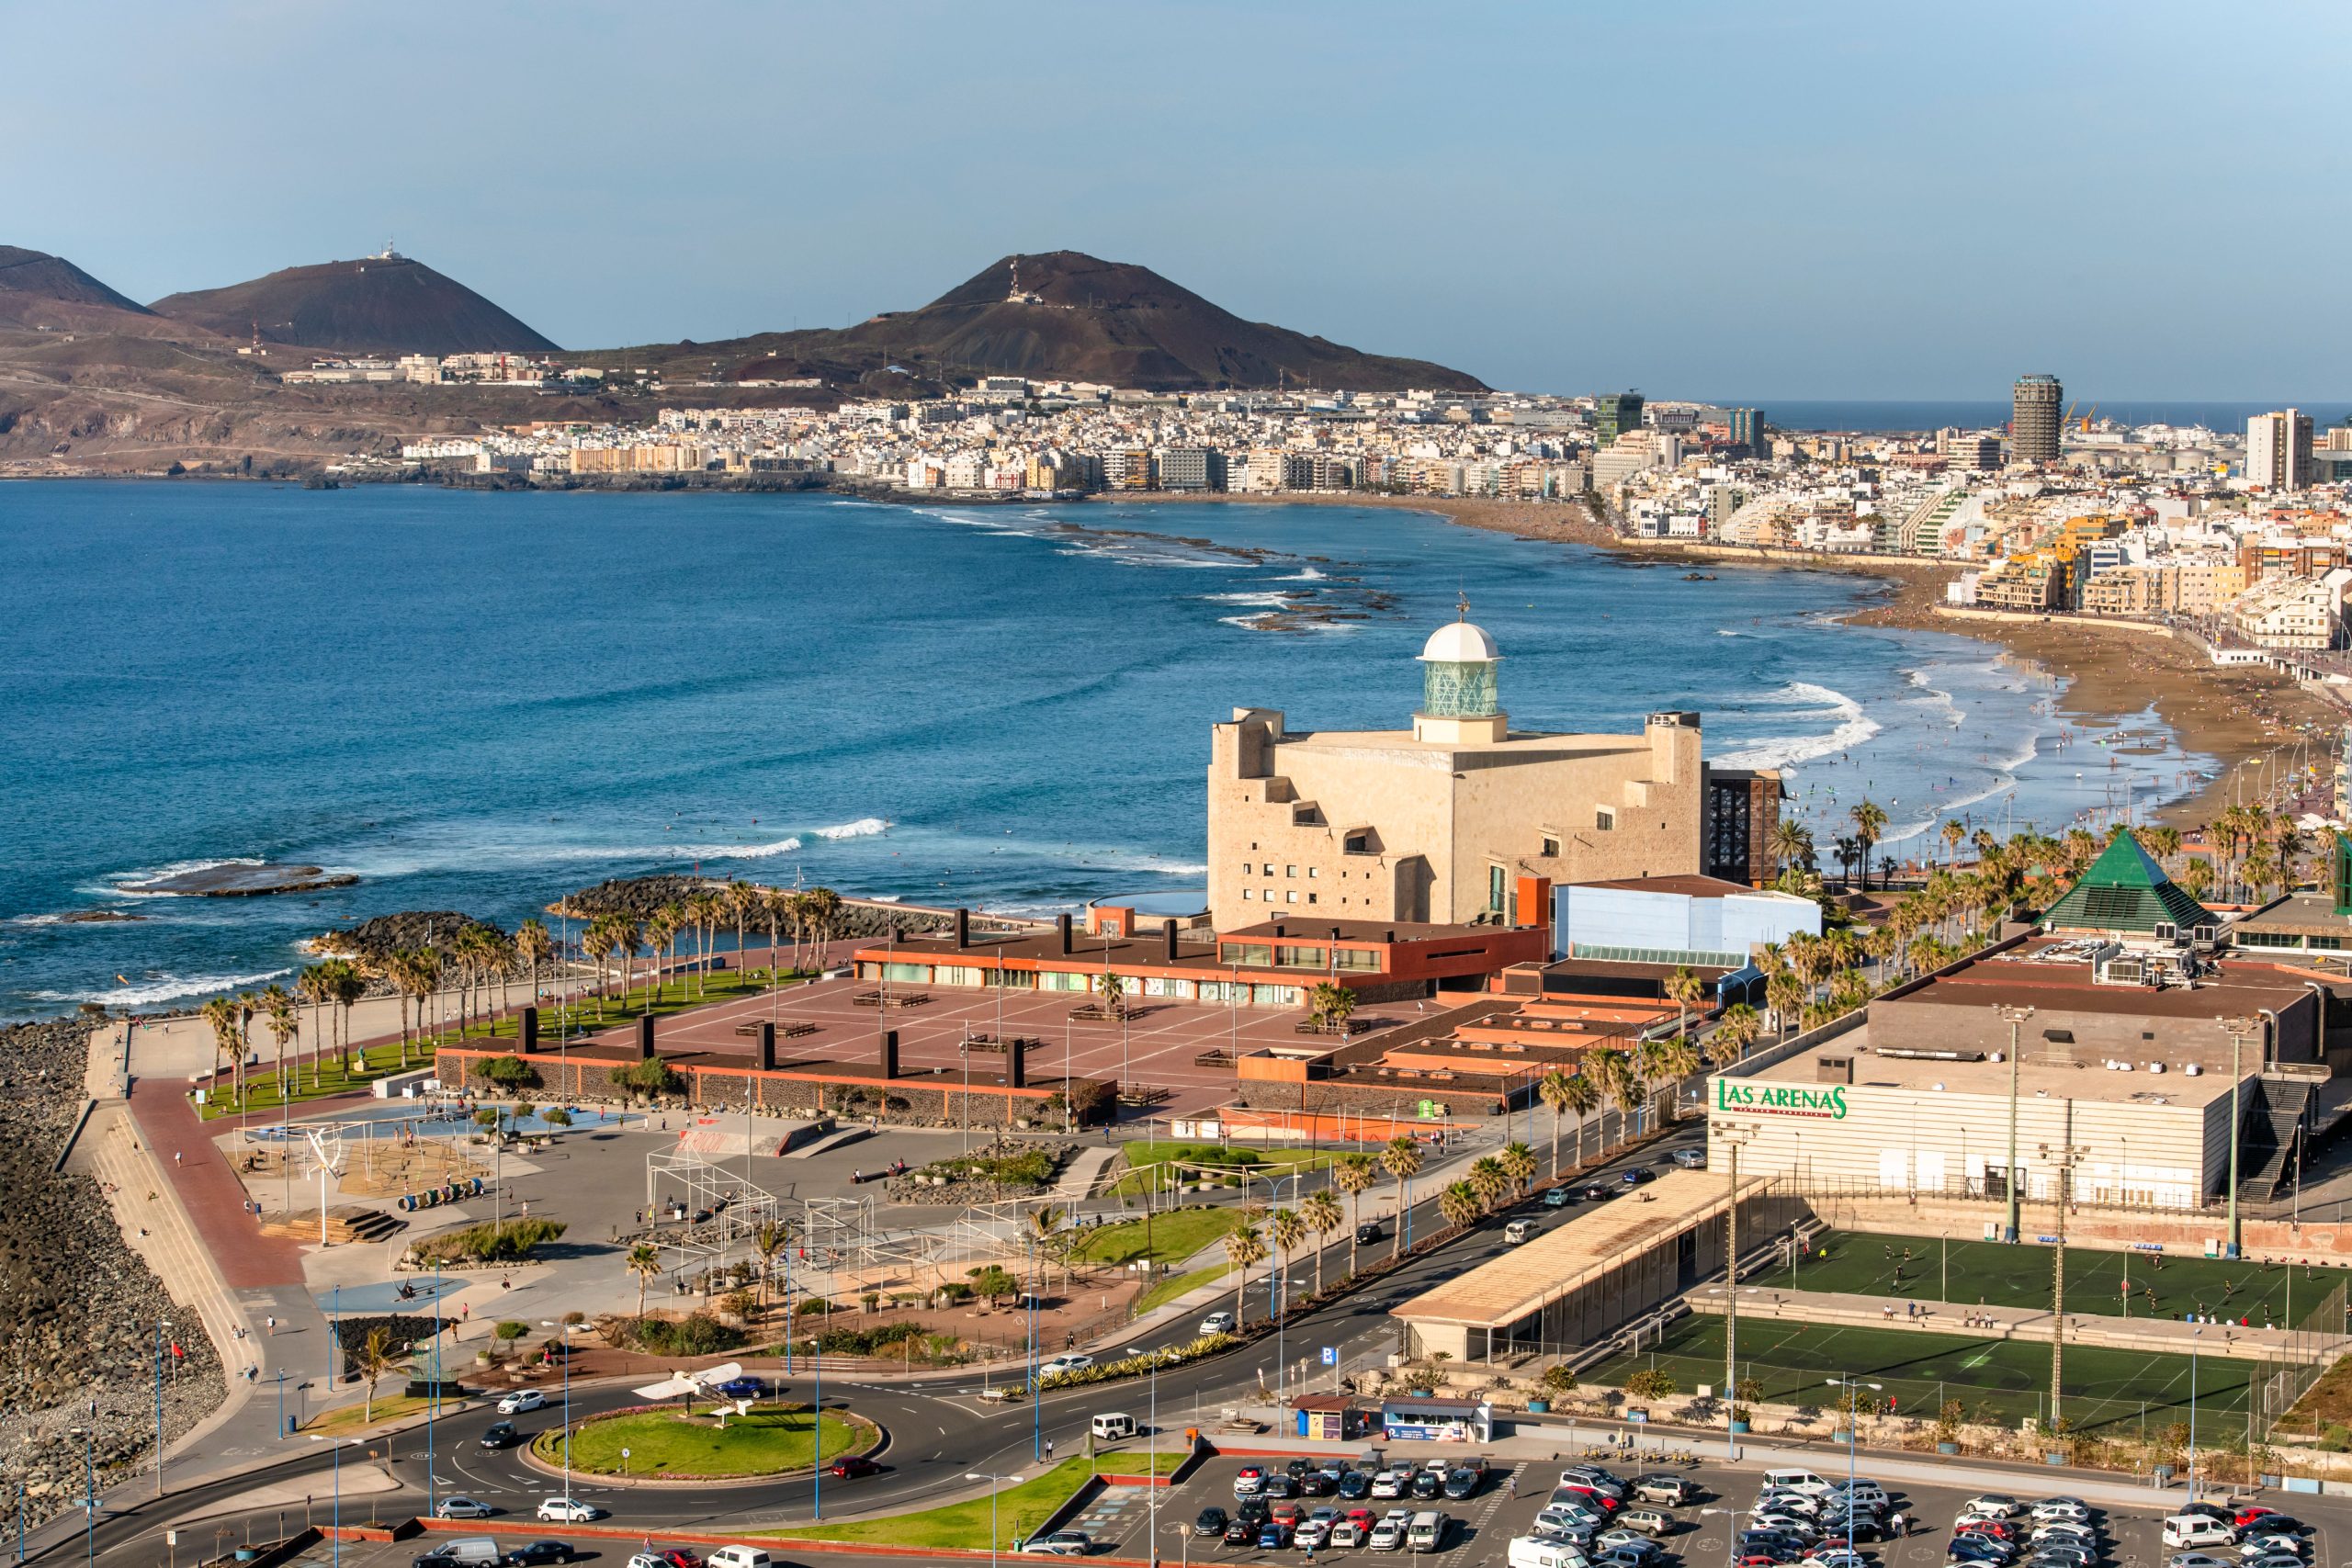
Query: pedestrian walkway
point(1084, 1170)
point(191, 1154)
point(2167, 1334)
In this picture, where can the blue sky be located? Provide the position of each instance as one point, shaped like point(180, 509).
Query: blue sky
point(1755, 200)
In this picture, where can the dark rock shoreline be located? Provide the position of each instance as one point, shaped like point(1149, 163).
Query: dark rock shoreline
point(80, 1306)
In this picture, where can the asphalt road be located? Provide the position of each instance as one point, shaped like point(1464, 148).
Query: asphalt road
point(938, 1428)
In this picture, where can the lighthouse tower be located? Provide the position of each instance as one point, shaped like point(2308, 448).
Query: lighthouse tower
point(1459, 704)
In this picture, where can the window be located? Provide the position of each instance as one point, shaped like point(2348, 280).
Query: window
point(1290, 898)
point(1604, 819)
point(1551, 846)
point(1312, 874)
point(1249, 892)
point(1290, 871)
point(1310, 898)
point(1269, 870)
point(1494, 887)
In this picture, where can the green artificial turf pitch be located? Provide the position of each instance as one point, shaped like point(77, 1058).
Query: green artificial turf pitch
point(2003, 1381)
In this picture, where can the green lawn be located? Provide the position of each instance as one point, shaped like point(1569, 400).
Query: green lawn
point(770, 1438)
point(1175, 1285)
point(587, 1012)
point(2003, 1381)
point(964, 1527)
point(1163, 1239)
point(1144, 1157)
point(1994, 1273)
point(334, 1078)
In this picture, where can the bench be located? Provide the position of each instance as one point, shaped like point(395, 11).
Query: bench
point(893, 999)
point(750, 1029)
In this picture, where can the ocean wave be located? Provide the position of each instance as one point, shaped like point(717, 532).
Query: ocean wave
point(1269, 601)
point(1725, 631)
point(1304, 574)
point(161, 989)
point(737, 851)
point(1853, 727)
point(863, 828)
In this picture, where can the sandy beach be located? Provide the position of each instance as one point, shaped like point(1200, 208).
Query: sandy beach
point(2233, 714)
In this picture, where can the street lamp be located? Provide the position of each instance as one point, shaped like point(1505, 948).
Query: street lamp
point(995, 1484)
point(2016, 1016)
point(1732, 1134)
point(2237, 1029)
point(1853, 1436)
point(2195, 1335)
point(161, 1325)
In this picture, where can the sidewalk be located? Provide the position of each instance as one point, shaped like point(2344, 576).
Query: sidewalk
point(2164, 1334)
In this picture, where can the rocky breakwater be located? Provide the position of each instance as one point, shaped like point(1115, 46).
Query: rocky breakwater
point(78, 1308)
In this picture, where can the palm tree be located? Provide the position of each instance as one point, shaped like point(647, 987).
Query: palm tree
point(1519, 1164)
point(767, 1241)
point(824, 915)
point(775, 913)
point(1685, 990)
point(373, 1359)
point(533, 947)
point(1243, 1246)
point(1734, 1032)
point(1784, 994)
point(598, 943)
point(220, 1013)
point(1675, 1059)
point(1869, 822)
point(314, 985)
point(1329, 1003)
point(743, 901)
point(646, 1264)
point(703, 908)
point(398, 968)
point(1321, 1212)
point(1488, 1181)
point(1353, 1173)
point(1583, 1098)
point(1288, 1229)
point(1954, 836)
point(1402, 1158)
point(1459, 1204)
point(283, 1026)
point(1792, 844)
point(1551, 1088)
point(661, 938)
point(348, 987)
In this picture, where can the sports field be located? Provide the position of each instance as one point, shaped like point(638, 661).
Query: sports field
point(1991, 1273)
point(1995, 1380)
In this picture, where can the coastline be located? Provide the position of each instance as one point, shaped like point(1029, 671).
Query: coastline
point(2233, 714)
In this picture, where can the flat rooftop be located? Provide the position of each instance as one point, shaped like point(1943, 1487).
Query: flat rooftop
point(2055, 974)
point(2299, 914)
point(1557, 1259)
point(1688, 885)
point(2036, 1078)
point(1520, 745)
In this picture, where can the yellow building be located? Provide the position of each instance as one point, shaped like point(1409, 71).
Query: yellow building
point(1436, 822)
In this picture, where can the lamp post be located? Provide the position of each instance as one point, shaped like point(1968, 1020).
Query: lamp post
point(89, 1496)
point(1847, 1382)
point(565, 1330)
point(995, 1483)
point(161, 1325)
point(2063, 1158)
point(2195, 1335)
point(2237, 1029)
point(2016, 1016)
point(1732, 1135)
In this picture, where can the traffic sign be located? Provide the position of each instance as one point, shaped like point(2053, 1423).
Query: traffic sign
point(1330, 1355)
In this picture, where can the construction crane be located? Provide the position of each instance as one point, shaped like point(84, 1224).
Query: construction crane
point(2068, 422)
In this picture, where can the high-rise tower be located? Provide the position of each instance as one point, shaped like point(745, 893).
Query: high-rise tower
point(2034, 405)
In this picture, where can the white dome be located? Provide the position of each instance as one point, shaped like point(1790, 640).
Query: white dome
point(1459, 642)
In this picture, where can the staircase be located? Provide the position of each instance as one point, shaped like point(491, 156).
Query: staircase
point(2270, 1140)
point(345, 1224)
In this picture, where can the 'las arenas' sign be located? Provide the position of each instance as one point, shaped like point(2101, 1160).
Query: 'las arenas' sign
point(1781, 1099)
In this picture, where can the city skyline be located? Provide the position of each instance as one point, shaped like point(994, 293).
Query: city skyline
point(1718, 203)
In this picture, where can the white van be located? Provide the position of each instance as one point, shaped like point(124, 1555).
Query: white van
point(467, 1551)
point(1518, 1230)
point(739, 1557)
point(2191, 1530)
point(1110, 1429)
point(1796, 1481)
point(1534, 1551)
point(1426, 1532)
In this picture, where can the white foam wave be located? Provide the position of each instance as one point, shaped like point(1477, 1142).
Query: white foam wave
point(1272, 600)
point(884, 898)
point(1304, 574)
point(1725, 631)
point(1853, 727)
point(863, 828)
point(162, 989)
point(736, 852)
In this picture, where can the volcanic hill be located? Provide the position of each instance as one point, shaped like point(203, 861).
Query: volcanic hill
point(1069, 317)
point(383, 304)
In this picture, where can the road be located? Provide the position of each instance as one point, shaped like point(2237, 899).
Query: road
point(938, 1428)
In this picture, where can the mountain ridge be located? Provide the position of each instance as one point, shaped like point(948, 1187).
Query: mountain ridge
point(379, 304)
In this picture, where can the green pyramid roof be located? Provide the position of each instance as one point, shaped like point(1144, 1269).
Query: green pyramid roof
point(2125, 891)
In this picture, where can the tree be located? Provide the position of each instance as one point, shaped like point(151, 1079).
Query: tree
point(704, 909)
point(1353, 1173)
point(1652, 1384)
point(767, 1241)
point(372, 1359)
point(348, 987)
point(741, 901)
point(283, 1026)
point(1321, 1212)
point(414, 974)
point(646, 1264)
point(1487, 1181)
point(313, 985)
point(1551, 1088)
point(824, 916)
point(220, 1015)
point(776, 912)
point(1458, 1202)
point(991, 1283)
point(1402, 1158)
point(1584, 1099)
point(1734, 1032)
point(1111, 990)
point(1331, 1003)
point(1613, 1069)
point(662, 939)
point(1685, 990)
point(1518, 1162)
point(533, 947)
point(1869, 824)
point(1287, 1230)
point(1953, 835)
point(1244, 1247)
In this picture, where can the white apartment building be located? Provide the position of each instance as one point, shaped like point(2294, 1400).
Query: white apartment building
point(2279, 450)
point(2290, 613)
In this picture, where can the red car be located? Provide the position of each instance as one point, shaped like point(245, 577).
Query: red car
point(1999, 1530)
point(850, 1468)
point(679, 1557)
point(1600, 1500)
point(2250, 1512)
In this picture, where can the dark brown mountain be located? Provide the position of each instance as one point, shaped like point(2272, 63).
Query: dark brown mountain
point(41, 276)
point(384, 304)
point(1072, 317)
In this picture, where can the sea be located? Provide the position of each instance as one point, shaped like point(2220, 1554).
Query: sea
point(478, 701)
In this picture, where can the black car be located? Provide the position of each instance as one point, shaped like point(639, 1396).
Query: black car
point(1251, 1511)
point(1598, 1193)
point(1427, 1484)
point(1355, 1486)
point(1240, 1532)
point(1297, 1468)
point(1213, 1522)
point(501, 1434)
point(542, 1551)
point(2273, 1524)
point(1315, 1484)
point(1461, 1482)
point(1281, 1487)
point(1368, 1232)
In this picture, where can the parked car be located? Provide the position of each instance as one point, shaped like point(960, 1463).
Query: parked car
point(1240, 1532)
point(743, 1388)
point(1061, 1543)
point(569, 1511)
point(1992, 1505)
point(463, 1508)
point(1354, 1487)
point(1649, 1521)
point(1691, 1160)
point(1348, 1534)
point(2282, 1524)
point(2259, 1543)
point(2055, 1509)
point(1218, 1323)
point(1318, 1483)
point(1249, 1481)
point(1671, 1489)
point(1389, 1535)
point(522, 1400)
point(534, 1554)
point(1461, 1482)
point(1312, 1535)
point(1427, 1484)
point(1638, 1175)
point(1390, 1482)
point(1210, 1523)
point(500, 1434)
point(1272, 1536)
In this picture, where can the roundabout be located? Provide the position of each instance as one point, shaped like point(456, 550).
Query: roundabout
point(654, 1444)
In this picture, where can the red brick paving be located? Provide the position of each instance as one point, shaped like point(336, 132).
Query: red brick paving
point(208, 1190)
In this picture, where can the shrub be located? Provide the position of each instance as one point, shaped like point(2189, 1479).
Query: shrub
point(1137, 1365)
point(1559, 1380)
point(1651, 1383)
point(507, 1072)
point(489, 1116)
point(991, 1281)
point(697, 1333)
point(508, 1243)
point(510, 1330)
point(555, 1116)
point(650, 1076)
point(848, 1341)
